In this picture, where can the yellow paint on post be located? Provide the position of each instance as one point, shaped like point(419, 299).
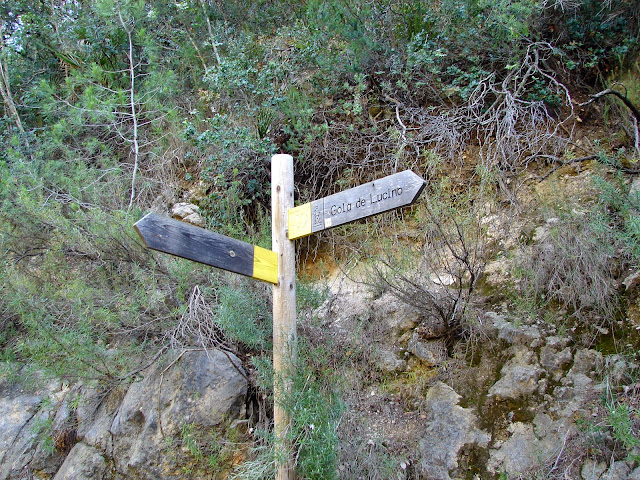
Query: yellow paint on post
point(299, 221)
point(265, 265)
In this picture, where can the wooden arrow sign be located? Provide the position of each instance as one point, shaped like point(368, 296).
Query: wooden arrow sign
point(200, 245)
point(362, 201)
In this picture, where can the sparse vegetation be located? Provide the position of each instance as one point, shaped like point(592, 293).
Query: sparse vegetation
point(110, 109)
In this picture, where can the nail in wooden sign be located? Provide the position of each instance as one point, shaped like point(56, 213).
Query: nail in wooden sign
point(365, 200)
point(200, 245)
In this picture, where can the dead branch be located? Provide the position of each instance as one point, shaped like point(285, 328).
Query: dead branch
point(610, 91)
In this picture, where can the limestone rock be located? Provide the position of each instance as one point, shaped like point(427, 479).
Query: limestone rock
point(519, 376)
point(188, 212)
point(499, 327)
point(592, 470)
point(619, 470)
point(497, 273)
point(541, 233)
point(632, 281)
point(450, 428)
point(430, 352)
point(529, 445)
point(634, 190)
point(388, 360)
point(635, 475)
point(202, 389)
point(586, 361)
point(129, 430)
point(516, 454)
point(22, 417)
point(83, 463)
point(554, 360)
point(394, 317)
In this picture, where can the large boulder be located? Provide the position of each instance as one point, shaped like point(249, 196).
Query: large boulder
point(130, 431)
point(198, 390)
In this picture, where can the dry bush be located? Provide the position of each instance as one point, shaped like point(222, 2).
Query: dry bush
point(574, 267)
point(197, 325)
point(509, 119)
point(439, 275)
point(513, 126)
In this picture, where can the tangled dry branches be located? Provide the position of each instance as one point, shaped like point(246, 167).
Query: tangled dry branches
point(507, 118)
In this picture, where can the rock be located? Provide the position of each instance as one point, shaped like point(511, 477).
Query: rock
point(394, 317)
point(83, 463)
point(618, 370)
point(635, 475)
point(519, 376)
point(450, 428)
point(431, 328)
point(388, 361)
point(23, 418)
point(498, 327)
point(202, 389)
point(592, 470)
point(517, 454)
point(586, 361)
point(574, 394)
point(497, 273)
point(619, 470)
point(16, 438)
point(188, 212)
point(430, 352)
point(529, 445)
point(555, 361)
point(632, 281)
point(634, 190)
point(542, 232)
point(132, 427)
point(443, 279)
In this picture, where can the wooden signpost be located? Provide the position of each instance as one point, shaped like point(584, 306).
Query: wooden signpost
point(362, 201)
point(278, 266)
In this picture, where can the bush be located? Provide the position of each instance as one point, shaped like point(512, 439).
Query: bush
point(574, 268)
point(576, 262)
point(438, 273)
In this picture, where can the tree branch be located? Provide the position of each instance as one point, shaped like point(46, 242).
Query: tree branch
point(610, 91)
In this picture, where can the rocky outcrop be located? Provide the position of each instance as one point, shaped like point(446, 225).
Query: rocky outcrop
point(515, 413)
point(25, 415)
point(127, 433)
point(401, 334)
point(450, 428)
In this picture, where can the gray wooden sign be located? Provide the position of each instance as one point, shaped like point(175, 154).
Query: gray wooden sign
point(362, 201)
point(200, 245)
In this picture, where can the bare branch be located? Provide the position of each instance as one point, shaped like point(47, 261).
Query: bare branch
point(610, 91)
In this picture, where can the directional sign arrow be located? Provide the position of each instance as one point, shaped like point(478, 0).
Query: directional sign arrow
point(200, 245)
point(362, 201)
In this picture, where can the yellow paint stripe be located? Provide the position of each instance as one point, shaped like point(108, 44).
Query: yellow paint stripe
point(299, 221)
point(265, 265)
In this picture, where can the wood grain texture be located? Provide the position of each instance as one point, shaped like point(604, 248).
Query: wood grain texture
point(388, 193)
point(194, 243)
point(284, 308)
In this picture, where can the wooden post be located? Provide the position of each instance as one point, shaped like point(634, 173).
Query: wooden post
point(284, 307)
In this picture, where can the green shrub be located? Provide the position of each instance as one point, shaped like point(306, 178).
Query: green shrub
point(243, 316)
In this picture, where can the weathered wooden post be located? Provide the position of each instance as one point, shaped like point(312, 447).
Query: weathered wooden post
point(284, 308)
